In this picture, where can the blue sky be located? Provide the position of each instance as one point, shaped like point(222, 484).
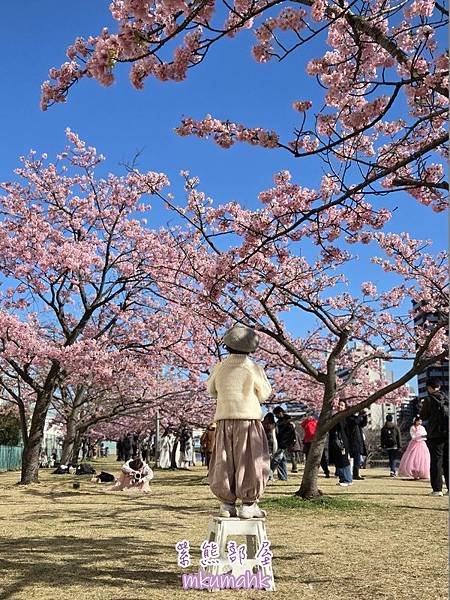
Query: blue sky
point(121, 120)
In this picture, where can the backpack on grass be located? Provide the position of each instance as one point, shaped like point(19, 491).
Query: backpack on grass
point(105, 477)
point(85, 469)
point(61, 470)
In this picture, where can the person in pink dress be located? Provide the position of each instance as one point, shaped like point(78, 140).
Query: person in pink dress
point(136, 476)
point(415, 461)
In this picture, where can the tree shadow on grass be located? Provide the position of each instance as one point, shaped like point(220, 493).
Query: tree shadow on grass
point(103, 520)
point(444, 509)
point(63, 561)
point(352, 493)
point(305, 581)
point(188, 479)
point(102, 494)
point(297, 555)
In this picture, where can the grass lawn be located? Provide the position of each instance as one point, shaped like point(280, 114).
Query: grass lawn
point(382, 538)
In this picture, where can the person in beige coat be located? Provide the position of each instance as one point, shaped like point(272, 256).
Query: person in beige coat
point(240, 465)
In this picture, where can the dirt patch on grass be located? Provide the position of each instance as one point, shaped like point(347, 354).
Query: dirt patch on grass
point(380, 539)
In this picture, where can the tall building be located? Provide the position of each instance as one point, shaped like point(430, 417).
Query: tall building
point(374, 371)
point(439, 370)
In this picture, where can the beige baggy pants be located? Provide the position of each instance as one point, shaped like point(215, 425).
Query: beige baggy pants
point(240, 463)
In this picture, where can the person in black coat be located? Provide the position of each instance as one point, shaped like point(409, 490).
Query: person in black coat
point(436, 414)
point(354, 425)
point(285, 432)
point(119, 449)
point(135, 444)
point(391, 442)
point(339, 450)
point(127, 446)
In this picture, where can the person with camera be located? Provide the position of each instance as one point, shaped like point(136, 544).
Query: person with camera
point(136, 476)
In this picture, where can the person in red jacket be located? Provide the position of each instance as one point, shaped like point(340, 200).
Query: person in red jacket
point(309, 426)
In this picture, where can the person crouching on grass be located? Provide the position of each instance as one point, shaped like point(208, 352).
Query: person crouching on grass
point(240, 465)
point(136, 476)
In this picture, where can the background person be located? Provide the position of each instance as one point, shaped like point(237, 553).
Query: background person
point(127, 447)
point(186, 448)
point(295, 451)
point(339, 449)
point(285, 432)
point(166, 447)
point(435, 411)
point(391, 442)
point(207, 442)
point(354, 425)
point(415, 461)
point(136, 476)
point(309, 426)
point(269, 428)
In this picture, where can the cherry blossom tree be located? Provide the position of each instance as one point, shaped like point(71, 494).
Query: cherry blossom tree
point(78, 297)
point(174, 410)
point(16, 394)
point(83, 409)
point(379, 123)
point(377, 128)
point(260, 268)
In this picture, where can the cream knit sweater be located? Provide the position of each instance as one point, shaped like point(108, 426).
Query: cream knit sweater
point(239, 385)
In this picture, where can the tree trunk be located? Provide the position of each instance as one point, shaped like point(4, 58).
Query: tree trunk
point(76, 447)
point(309, 486)
point(23, 422)
point(32, 448)
point(67, 451)
point(72, 433)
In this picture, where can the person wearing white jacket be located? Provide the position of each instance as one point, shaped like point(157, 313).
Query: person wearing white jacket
point(240, 465)
point(136, 476)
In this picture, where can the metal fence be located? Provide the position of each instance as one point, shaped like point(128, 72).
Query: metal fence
point(10, 458)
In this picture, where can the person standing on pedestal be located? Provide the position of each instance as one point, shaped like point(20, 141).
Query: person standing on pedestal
point(239, 467)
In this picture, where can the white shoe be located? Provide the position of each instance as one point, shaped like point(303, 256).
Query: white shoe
point(436, 494)
point(446, 493)
point(227, 510)
point(249, 511)
point(343, 484)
